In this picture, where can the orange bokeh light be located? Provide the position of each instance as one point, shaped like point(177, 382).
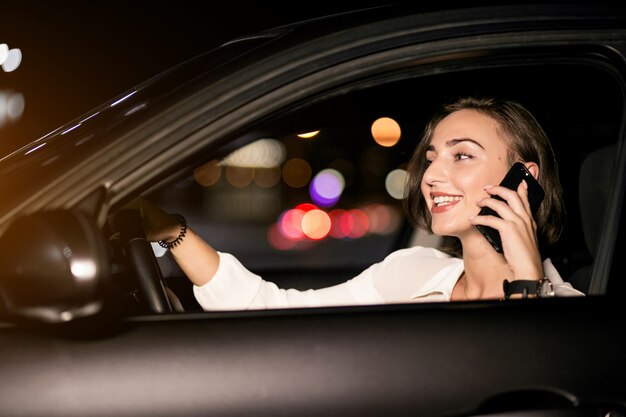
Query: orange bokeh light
point(316, 224)
point(386, 131)
point(208, 174)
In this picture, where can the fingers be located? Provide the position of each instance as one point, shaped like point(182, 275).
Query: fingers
point(515, 202)
point(514, 212)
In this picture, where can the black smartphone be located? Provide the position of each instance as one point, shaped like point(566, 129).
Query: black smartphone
point(512, 180)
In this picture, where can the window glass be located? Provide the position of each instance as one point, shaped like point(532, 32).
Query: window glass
point(317, 196)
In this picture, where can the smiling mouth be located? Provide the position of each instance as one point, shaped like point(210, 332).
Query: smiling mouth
point(441, 201)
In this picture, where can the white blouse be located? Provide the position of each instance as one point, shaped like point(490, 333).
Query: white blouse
point(415, 274)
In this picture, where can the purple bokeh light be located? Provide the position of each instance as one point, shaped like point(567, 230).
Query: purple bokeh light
point(326, 187)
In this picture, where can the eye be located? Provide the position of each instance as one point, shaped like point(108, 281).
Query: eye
point(429, 158)
point(462, 156)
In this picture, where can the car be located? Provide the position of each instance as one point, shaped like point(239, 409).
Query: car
point(97, 321)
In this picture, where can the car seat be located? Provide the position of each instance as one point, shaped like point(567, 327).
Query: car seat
point(596, 169)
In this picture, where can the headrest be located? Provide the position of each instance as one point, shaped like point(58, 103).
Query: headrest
point(595, 171)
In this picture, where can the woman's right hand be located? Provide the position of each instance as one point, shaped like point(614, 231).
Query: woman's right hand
point(157, 224)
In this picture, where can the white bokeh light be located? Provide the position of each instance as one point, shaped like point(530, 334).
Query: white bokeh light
point(15, 106)
point(394, 183)
point(12, 60)
point(264, 153)
point(11, 106)
point(4, 51)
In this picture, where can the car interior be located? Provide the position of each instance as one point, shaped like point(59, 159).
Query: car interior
point(596, 168)
point(241, 207)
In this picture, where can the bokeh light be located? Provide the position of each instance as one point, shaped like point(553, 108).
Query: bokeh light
point(266, 177)
point(290, 224)
point(308, 223)
point(208, 174)
point(360, 223)
point(340, 223)
point(379, 217)
point(306, 220)
point(383, 219)
point(386, 131)
point(308, 135)
point(306, 207)
point(15, 106)
point(353, 223)
point(296, 172)
point(263, 153)
point(11, 106)
point(278, 240)
point(395, 182)
point(315, 224)
point(239, 177)
point(4, 52)
point(326, 187)
point(11, 59)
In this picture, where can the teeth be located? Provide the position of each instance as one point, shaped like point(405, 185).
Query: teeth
point(445, 200)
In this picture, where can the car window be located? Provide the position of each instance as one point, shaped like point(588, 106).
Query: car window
point(316, 194)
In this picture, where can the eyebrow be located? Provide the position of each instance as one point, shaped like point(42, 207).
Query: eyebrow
point(453, 142)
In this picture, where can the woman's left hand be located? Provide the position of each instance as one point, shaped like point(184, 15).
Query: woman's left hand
point(517, 228)
point(157, 224)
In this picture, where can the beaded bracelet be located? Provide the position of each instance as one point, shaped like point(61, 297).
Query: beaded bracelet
point(181, 235)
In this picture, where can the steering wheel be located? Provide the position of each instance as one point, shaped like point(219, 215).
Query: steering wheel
point(141, 257)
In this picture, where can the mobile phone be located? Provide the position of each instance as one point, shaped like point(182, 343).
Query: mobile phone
point(512, 179)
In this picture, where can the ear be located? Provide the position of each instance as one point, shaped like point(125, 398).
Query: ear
point(533, 168)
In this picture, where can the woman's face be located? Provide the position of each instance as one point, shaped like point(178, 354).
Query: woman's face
point(465, 155)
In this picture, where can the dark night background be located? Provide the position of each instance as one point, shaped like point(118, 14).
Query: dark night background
point(78, 54)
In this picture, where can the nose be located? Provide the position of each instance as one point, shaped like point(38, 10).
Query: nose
point(435, 173)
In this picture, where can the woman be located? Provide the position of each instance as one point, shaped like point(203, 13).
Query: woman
point(465, 152)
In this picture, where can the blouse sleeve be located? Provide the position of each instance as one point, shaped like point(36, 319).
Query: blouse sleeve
point(233, 287)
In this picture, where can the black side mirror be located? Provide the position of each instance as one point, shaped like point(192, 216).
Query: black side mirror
point(54, 266)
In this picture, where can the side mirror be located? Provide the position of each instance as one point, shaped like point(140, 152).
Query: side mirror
point(54, 266)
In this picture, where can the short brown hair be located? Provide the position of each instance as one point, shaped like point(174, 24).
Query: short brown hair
point(526, 142)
